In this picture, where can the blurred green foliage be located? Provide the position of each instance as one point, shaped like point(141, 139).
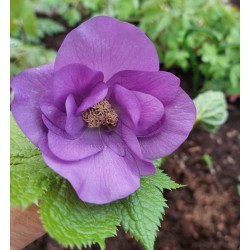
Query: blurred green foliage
point(23, 56)
point(210, 28)
point(22, 17)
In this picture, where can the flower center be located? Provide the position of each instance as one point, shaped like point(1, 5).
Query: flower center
point(100, 114)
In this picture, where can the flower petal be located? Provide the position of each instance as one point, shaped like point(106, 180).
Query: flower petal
point(108, 45)
point(28, 87)
point(52, 113)
point(162, 85)
point(180, 118)
point(53, 128)
point(145, 166)
point(75, 79)
point(74, 123)
point(99, 179)
point(126, 105)
point(97, 94)
point(113, 142)
point(152, 110)
point(88, 144)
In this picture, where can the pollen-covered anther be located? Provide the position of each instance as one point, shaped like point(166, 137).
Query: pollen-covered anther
point(100, 114)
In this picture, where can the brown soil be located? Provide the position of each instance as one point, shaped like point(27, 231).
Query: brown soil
point(205, 214)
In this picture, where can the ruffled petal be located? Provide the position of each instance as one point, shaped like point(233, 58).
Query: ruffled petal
point(97, 94)
point(180, 118)
point(152, 111)
point(108, 45)
point(88, 144)
point(75, 79)
point(162, 85)
point(126, 105)
point(28, 87)
point(113, 141)
point(74, 123)
point(52, 113)
point(145, 166)
point(53, 128)
point(99, 179)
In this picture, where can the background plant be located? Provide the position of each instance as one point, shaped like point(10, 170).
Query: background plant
point(211, 29)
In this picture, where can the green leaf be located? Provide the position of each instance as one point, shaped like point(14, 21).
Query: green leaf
point(23, 15)
point(73, 222)
point(161, 181)
point(49, 27)
point(72, 17)
point(28, 18)
point(29, 176)
point(234, 80)
point(157, 162)
point(142, 211)
point(211, 109)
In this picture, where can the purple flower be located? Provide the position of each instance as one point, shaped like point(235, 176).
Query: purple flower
point(102, 111)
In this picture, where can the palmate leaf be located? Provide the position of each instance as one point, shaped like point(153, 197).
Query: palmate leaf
point(29, 176)
point(73, 222)
point(161, 181)
point(142, 212)
point(29, 179)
